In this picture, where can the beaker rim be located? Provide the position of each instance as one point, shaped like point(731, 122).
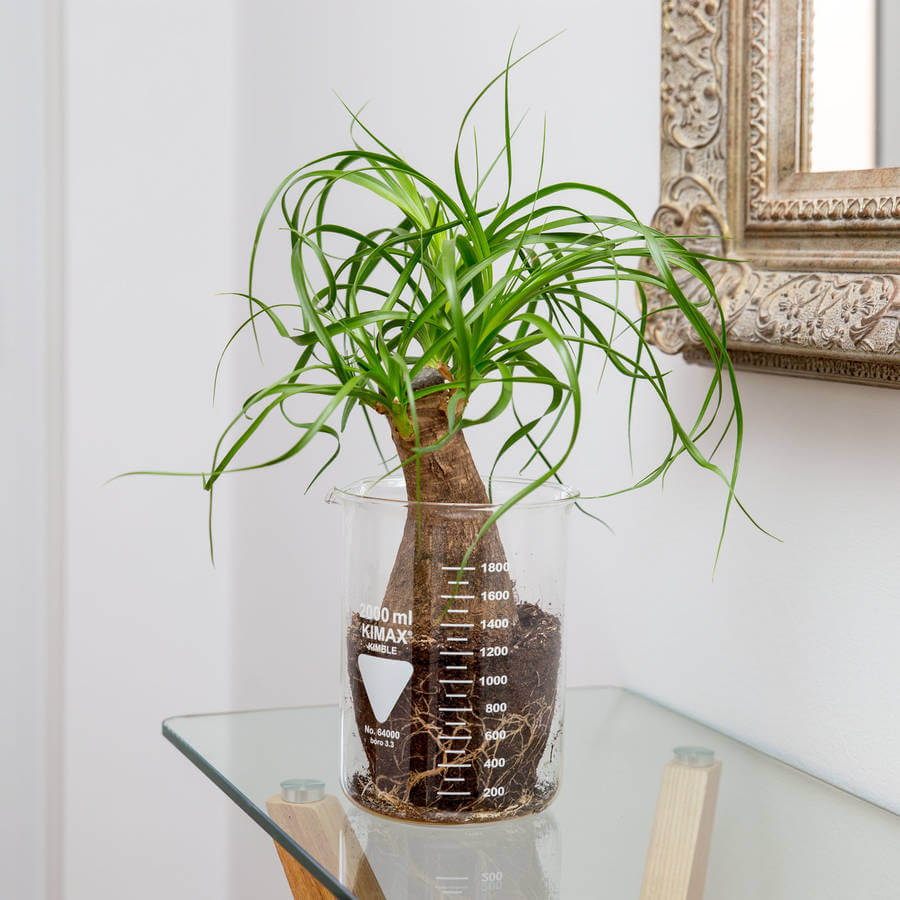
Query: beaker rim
point(360, 492)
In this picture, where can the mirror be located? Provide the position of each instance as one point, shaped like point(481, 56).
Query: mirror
point(785, 165)
point(853, 93)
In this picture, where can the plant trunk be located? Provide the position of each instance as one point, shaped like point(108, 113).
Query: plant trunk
point(407, 778)
point(431, 539)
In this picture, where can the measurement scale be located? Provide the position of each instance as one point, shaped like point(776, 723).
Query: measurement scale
point(462, 671)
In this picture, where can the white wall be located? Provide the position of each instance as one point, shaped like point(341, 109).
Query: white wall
point(793, 646)
point(149, 165)
point(29, 450)
point(790, 646)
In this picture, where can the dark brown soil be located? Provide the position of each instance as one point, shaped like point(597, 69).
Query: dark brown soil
point(406, 775)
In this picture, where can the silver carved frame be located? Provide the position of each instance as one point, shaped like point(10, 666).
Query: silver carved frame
point(807, 283)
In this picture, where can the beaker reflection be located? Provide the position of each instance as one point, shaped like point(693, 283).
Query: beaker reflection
point(519, 858)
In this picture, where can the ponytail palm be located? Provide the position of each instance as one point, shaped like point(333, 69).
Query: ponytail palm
point(456, 295)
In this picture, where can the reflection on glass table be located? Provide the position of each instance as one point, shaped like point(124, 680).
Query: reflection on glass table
point(778, 833)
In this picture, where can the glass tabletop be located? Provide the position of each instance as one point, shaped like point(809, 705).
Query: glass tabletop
point(778, 833)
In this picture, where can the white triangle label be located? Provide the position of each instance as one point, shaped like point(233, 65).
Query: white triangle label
point(385, 680)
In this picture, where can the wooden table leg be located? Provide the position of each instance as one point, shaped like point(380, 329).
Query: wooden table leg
point(682, 830)
point(321, 827)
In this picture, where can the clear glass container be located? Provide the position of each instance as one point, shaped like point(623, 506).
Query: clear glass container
point(452, 661)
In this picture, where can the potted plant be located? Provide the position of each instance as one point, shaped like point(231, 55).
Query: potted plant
point(453, 636)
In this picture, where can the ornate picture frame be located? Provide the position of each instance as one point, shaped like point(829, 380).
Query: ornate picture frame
point(809, 279)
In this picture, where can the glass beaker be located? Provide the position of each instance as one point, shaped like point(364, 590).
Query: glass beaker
point(452, 708)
